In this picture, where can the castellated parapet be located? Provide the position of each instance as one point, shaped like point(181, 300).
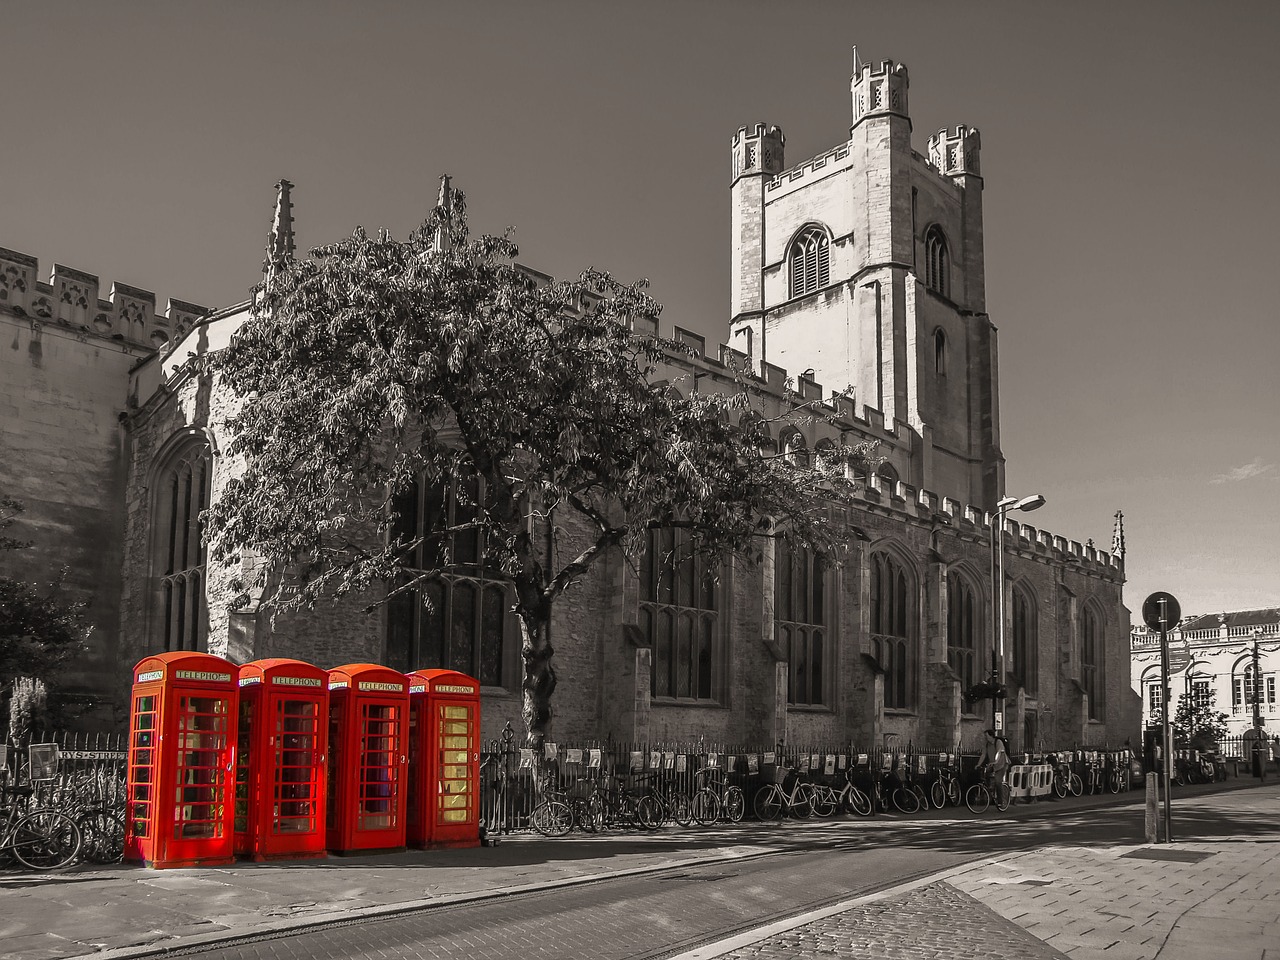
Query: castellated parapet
point(879, 92)
point(758, 149)
point(839, 418)
point(70, 299)
point(956, 154)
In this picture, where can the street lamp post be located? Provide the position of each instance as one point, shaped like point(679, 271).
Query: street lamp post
point(1034, 502)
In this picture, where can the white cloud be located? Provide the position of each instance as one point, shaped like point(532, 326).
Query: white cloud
point(1246, 472)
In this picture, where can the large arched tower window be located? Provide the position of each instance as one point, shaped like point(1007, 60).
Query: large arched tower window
point(964, 629)
point(460, 618)
point(809, 261)
point(936, 261)
point(1026, 660)
point(893, 628)
point(680, 616)
point(180, 620)
point(1092, 663)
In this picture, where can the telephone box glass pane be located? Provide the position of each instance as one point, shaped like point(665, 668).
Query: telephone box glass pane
point(242, 765)
point(379, 762)
point(455, 801)
point(297, 773)
point(411, 787)
point(142, 764)
point(202, 747)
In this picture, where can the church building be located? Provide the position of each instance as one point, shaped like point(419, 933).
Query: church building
point(857, 284)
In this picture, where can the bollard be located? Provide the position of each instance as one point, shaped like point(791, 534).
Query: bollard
point(1153, 804)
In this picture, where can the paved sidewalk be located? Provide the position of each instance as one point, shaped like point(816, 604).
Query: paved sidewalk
point(1203, 896)
point(1071, 898)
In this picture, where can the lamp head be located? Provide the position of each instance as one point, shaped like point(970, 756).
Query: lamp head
point(1033, 502)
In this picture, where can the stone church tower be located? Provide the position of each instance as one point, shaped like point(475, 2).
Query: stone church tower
point(864, 267)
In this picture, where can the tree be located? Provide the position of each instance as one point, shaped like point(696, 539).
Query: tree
point(376, 362)
point(1197, 724)
point(40, 630)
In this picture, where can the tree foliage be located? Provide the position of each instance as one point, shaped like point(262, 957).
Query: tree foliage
point(1197, 724)
point(377, 361)
point(40, 629)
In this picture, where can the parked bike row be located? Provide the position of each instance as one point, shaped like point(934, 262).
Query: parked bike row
point(643, 787)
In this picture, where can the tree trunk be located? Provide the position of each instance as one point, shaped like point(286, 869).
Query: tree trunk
point(539, 679)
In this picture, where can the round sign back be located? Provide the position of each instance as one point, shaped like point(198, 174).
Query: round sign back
point(1161, 611)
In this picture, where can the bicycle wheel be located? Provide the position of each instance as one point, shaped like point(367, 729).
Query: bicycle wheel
point(977, 798)
point(937, 794)
point(649, 811)
point(735, 804)
point(680, 810)
point(858, 802)
point(1075, 785)
point(1004, 796)
point(953, 791)
point(1114, 785)
point(768, 802)
point(824, 801)
point(551, 818)
point(922, 795)
point(905, 800)
point(45, 840)
point(102, 836)
point(1059, 787)
point(802, 801)
point(705, 806)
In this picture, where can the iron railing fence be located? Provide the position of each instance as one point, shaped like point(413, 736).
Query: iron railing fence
point(71, 771)
point(514, 778)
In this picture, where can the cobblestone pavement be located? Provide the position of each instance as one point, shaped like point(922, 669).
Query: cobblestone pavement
point(934, 922)
point(1214, 894)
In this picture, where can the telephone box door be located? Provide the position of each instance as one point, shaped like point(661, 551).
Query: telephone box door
point(447, 780)
point(367, 758)
point(281, 784)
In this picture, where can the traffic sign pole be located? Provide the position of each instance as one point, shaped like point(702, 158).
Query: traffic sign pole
point(1158, 612)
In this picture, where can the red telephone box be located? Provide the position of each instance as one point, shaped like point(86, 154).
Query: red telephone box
point(182, 731)
point(280, 776)
point(368, 727)
point(444, 759)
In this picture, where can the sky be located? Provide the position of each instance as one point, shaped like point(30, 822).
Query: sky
point(1129, 156)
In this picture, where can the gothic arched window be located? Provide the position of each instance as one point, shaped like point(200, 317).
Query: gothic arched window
point(1026, 661)
point(809, 261)
point(936, 260)
point(939, 352)
point(680, 616)
point(800, 614)
point(964, 630)
point(893, 608)
point(460, 618)
point(180, 619)
point(1091, 663)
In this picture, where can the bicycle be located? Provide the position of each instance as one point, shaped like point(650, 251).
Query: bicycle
point(913, 787)
point(666, 803)
point(102, 835)
point(979, 796)
point(772, 801)
point(848, 799)
point(39, 839)
point(946, 788)
point(708, 804)
point(1065, 781)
